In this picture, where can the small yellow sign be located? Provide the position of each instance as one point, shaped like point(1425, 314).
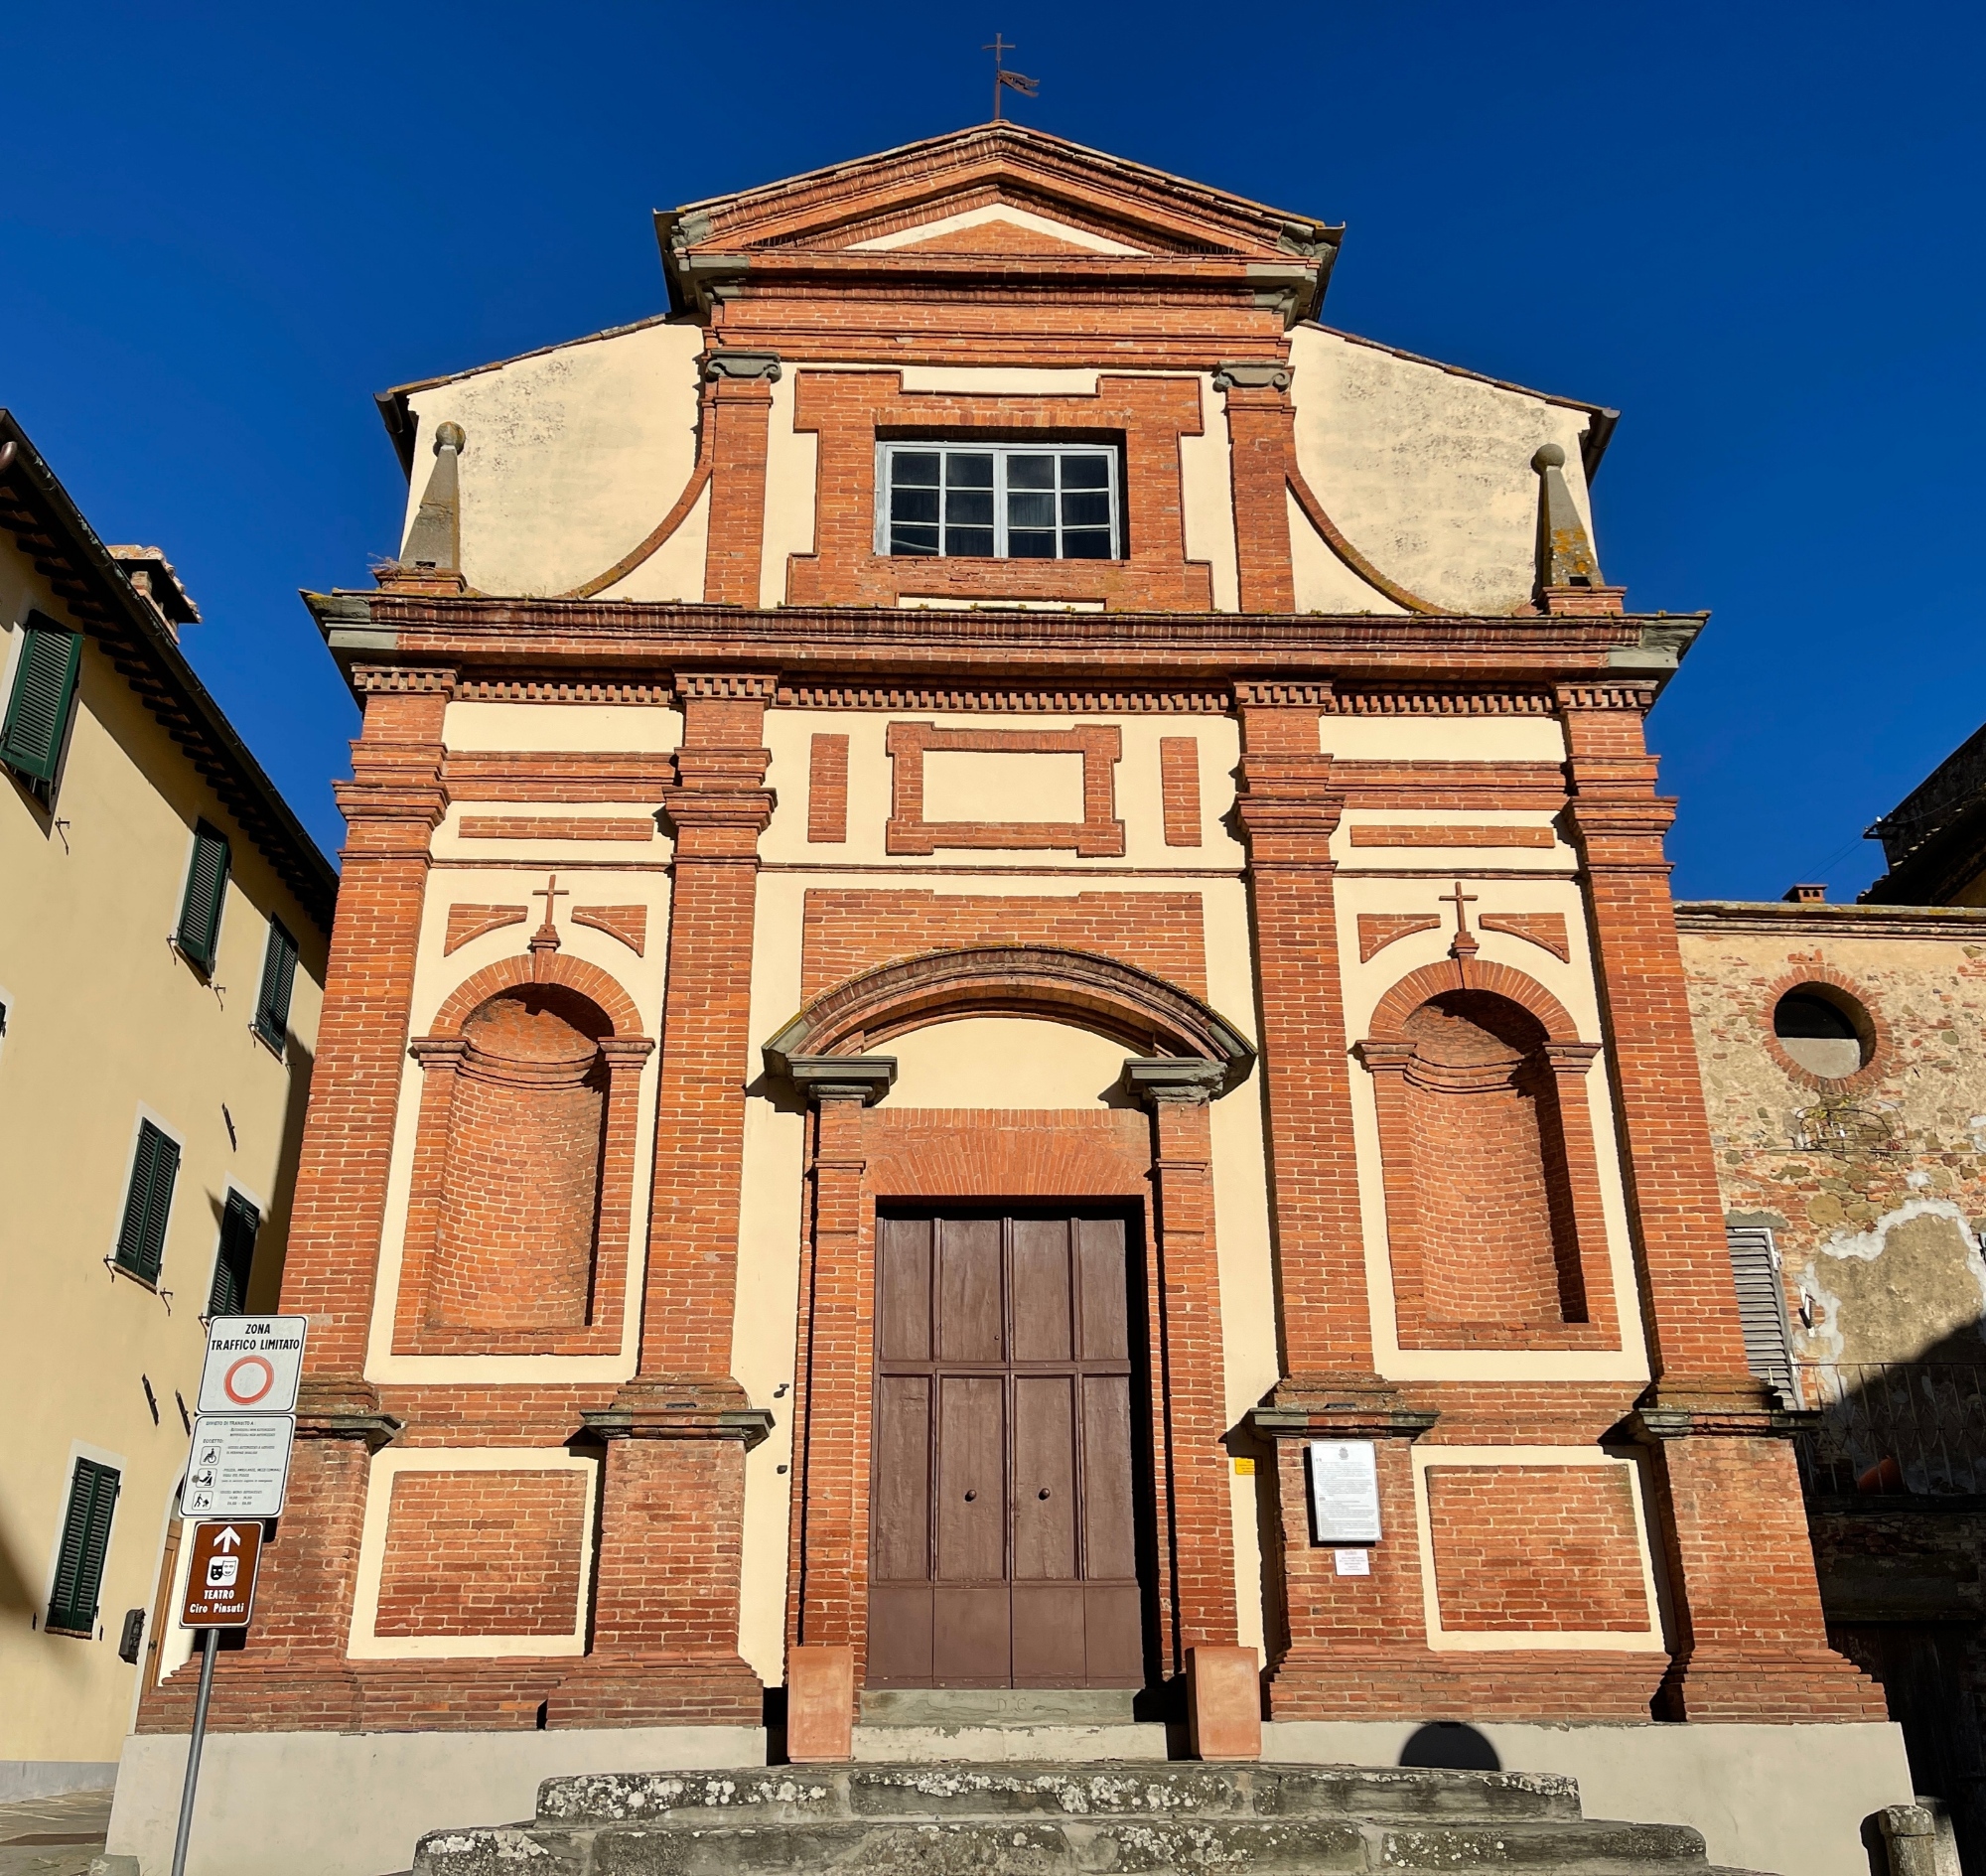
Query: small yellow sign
point(1245, 1468)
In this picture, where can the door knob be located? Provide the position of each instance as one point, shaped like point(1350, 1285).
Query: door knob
point(1043, 1492)
point(970, 1495)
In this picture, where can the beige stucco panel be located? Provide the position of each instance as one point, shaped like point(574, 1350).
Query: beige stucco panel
point(1139, 802)
point(571, 456)
point(1425, 472)
point(793, 480)
point(436, 978)
point(1442, 739)
point(676, 570)
point(562, 728)
point(107, 1024)
point(1206, 493)
point(1321, 580)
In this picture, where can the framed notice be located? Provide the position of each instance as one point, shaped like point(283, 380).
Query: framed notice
point(1345, 1491)
point(239, 1466)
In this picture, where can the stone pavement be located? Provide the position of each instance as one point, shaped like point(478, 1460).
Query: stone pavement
point(53, 1837)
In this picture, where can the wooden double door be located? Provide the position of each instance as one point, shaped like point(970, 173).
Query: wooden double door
point(1005, 1504)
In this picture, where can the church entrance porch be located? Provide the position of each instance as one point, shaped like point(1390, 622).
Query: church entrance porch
point(1008, 1522)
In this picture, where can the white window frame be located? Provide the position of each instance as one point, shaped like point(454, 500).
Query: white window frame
point(1000, 452)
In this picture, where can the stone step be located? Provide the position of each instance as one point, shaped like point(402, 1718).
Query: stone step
point(1038, 1847)
point(918, 1793)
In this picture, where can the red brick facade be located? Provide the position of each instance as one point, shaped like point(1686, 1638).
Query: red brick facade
point(535, 1145)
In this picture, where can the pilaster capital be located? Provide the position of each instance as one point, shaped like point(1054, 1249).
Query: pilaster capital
point(720, 367)
point(1349, 1406)
point(344, 1407)
point(864, 1079)
point(439, 1052)
point(1254, 374)
point(1384, 1058)
point(1181, 1081)
point(1571, 1057)
point(626, 1052)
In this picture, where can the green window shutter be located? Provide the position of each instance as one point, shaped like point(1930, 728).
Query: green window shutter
point(85, 1543)
point(44, 689)
point(239, 1221)
point(141, 1242)
point(205, 888)
point(279, 973)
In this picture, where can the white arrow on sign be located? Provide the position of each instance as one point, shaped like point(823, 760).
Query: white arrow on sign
point(229, 1539)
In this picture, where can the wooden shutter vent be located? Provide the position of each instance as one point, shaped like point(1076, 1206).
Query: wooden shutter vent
point(239, 1221)
point(205, 888)
point(272, 1001)
point(141, 1243)
point(44, 687)
point(85, 1543)
point(1762, 1307)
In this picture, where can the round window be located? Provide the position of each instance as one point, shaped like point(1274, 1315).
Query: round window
point(1822, 1032)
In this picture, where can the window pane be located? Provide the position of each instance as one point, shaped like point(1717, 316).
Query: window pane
point(1023, 546)
point(1030, 510)
point(969, 541)
point(913, 540)
point(1086, 511)
point(1030, 472)
point(968, 508)
point(967, 472)
point(1086, 472)
point(1087, 544)
point(914, 505)
point(920, 469)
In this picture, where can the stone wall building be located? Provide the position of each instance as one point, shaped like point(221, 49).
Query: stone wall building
point(1846, 1087)
point(162, 927)
point(1001, 895)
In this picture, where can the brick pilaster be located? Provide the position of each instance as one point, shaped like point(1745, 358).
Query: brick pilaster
point(738, 408)
point(1262, 440)
point(1193, 1400)
point(1751, 1641)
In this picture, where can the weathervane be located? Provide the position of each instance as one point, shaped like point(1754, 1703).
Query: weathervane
point(1003, 78)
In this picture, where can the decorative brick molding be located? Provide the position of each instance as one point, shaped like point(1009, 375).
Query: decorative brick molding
point(1178, 789)
point(1440, 702)
point(850, 410)
point(1371, 834)
point(1100, 834)
point(555, 828)
point(552, 688)
point(1043, 703)
point(467, 922)
point(846, 931)
point(1377, 929)
point(521, 1212)
point(401, 680)
point(628, 924)
point(529, 775)
point(1095, 994)
point(827, 789)
point(1495, 1226)
point(1813, 971)
point(1546, 929)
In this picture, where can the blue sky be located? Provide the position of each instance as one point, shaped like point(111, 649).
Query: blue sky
point(1748, 226)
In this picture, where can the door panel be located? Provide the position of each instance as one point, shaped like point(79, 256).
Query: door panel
point(904, 1290)
point(969, 1313)
point(1111, 1535)
point(1045, 1478)
point(1043, 1331)
point(971, 1480)
point(971, 1636)
point(901, 1499)
point(1005, 1547)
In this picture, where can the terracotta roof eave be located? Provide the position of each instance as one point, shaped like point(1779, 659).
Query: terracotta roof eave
point(139, 643)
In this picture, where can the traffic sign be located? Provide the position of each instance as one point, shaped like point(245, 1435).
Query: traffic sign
point(220, 1578)
point(241, 1466)
point(252, 1364)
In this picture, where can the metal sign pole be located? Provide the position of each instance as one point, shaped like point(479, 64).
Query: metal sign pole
point(207, 1640)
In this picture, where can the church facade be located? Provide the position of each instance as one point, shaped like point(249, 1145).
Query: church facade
point(1005, 1020)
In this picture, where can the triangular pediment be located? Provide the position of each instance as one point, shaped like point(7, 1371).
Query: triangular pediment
point(998, 189)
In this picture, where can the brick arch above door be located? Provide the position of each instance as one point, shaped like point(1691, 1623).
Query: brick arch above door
point(1114, 999)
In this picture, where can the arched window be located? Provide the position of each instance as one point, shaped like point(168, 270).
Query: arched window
point(1823, 1030)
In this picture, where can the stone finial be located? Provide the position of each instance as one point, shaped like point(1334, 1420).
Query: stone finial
point(1566, 559)
point(434, 543)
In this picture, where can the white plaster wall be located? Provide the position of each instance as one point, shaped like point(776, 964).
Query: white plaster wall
point(1426, 473)
point(572, 456)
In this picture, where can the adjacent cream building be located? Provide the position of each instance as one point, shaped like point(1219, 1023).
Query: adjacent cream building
point(163, 925)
